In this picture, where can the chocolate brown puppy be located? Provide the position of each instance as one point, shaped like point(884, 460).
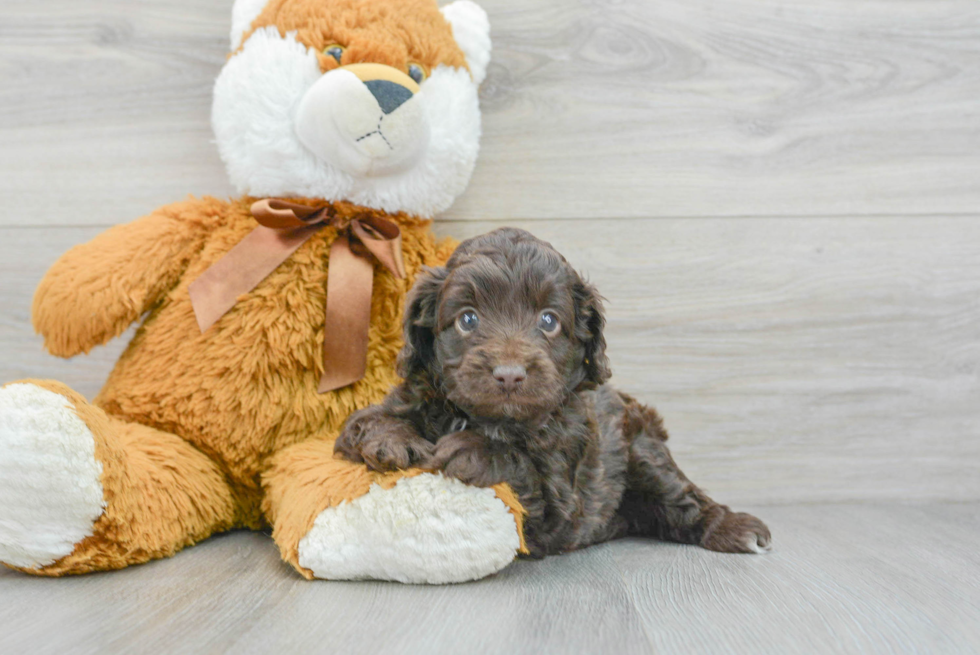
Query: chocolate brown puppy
point(504, 371)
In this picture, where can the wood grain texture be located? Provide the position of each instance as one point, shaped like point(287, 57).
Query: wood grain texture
point(104, 107)
point(794, 360)
point(592, 109)
point(745, 108)
point(842, 579)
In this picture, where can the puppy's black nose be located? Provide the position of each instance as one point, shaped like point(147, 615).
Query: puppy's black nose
point(509, 377)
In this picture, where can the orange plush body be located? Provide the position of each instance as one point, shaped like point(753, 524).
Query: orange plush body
point(200, 432)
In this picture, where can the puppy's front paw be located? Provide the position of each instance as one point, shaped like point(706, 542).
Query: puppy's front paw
point(738, 532)
point(382, 442)
point(465, 456)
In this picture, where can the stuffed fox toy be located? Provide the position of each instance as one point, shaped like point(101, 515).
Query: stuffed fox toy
point(266, 320)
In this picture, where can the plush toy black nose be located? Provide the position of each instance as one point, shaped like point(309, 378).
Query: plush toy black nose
point(389, 95)
point(509, 377)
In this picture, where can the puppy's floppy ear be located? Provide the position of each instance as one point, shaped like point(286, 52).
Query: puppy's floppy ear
point(589, 325)
point(421, 309)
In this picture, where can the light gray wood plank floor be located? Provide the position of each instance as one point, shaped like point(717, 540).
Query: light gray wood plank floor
point(842, 579)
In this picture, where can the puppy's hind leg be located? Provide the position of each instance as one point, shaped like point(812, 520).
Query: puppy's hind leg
point(661, 502)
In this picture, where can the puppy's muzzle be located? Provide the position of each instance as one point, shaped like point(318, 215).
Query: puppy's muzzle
point(365, 119)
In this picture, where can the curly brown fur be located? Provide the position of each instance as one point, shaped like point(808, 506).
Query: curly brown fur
point(515, 396)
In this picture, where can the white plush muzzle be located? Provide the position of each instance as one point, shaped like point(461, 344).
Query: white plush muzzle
point(370, 129)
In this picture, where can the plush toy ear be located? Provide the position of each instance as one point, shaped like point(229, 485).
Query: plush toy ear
point(471, 29)
point(242, 14)
point(421, 309)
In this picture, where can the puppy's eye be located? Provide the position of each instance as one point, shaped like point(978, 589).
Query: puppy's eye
point(416, 72)
point(548, 323)
point(467, 321)
point(335, 51)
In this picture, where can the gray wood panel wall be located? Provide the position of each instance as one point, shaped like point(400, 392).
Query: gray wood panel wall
point(780, 200)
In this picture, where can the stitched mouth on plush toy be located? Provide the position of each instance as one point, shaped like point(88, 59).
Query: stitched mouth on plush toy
point(379, 133)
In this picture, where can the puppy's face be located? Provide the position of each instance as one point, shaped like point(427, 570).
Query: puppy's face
point(506, 330)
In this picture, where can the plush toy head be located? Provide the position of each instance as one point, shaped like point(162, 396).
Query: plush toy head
point(369, 101)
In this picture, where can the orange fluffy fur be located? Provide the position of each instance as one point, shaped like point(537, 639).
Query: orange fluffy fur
point(392, 33)
point(205, 432)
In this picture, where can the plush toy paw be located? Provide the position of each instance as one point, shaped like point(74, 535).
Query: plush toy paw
point(50, 490)
point(426, 529)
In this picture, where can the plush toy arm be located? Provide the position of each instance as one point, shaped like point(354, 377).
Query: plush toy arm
point(97, 289)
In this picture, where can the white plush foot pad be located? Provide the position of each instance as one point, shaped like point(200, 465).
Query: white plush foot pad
point(426, 529)
point(50, 489)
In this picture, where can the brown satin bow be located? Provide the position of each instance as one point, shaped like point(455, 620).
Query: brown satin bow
point(283, 227)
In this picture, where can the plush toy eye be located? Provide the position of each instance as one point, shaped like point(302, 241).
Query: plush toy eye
point(467, 321)
point(335, 51)
point(416, 72)
point(548, 323)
